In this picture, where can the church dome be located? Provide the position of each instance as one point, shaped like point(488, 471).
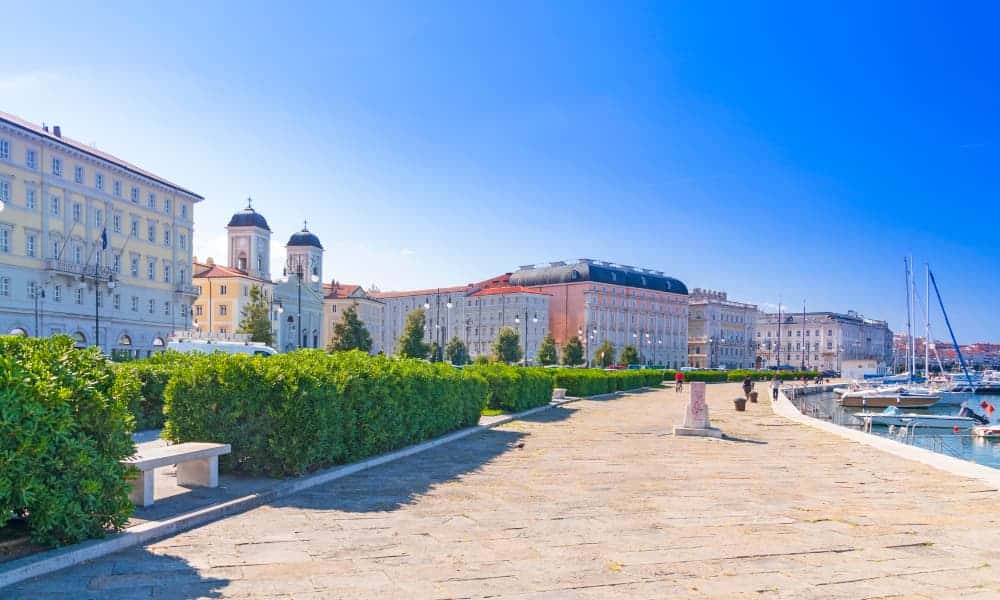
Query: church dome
point(248, 217)
point(304, 238)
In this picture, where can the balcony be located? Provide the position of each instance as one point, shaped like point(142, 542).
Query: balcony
point(186, 290)
point(63, 267)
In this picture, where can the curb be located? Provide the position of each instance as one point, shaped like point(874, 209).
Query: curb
point(942, 462)
point(61, 558)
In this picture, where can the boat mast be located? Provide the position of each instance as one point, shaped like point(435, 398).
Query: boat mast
point(927, 323)
point(909, 326)
point(951, 331)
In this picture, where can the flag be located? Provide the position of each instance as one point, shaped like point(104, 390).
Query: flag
point(104, 239)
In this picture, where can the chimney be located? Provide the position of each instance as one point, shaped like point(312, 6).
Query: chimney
point(210, 262)
point(57, 131)
point(45, 128)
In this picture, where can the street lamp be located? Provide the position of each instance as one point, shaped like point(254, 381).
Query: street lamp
point(300, 265)
point(517, 320)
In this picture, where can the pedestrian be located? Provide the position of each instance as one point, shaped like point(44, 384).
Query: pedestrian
point(775, 384)
point(678, 381)
point(747, 386)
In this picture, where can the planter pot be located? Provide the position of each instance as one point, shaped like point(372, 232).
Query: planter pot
point(741, 404)
point(753, 396)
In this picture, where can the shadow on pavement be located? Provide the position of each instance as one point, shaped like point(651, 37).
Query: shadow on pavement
point(730, 438)
point(135, 573)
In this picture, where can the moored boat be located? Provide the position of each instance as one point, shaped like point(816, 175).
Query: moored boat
point(898, 396)
point(892, 416)
point(987, 431)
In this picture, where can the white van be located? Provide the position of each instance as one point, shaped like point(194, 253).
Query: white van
point(189, 345)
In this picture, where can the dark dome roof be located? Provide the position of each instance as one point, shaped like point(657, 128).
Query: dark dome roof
point(587, 270)
point(304, 238)
point(248, 217)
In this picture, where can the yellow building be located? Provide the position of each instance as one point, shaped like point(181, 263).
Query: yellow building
point(90, 245)
point(340, 296)
point(222, 294)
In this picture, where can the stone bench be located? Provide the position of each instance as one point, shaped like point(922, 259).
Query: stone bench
point(197, 465)
point(559, 393)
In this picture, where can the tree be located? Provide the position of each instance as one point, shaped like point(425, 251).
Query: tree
point(507, 348)
point(630, 355)
point(434, 352)
point(572, 353)
point(605, 354)
point(255, 317)
point(411, 342)
point(350, 333)
point(482, 359)
point(456, 352)
point(547, 350)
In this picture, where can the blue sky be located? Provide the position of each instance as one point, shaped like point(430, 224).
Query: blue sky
point(759, 148)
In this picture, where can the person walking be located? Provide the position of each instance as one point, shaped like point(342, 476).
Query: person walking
point(678, 381)
point(747, 387)
point(775, 384)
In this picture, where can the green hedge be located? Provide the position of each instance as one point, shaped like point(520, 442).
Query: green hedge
point(592, 382)
point(64, 428)
point(288, 414)
point(514, 389)
point(738, 375)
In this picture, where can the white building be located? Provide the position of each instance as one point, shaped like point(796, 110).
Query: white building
point(300, 295)
point(371, 312)
point(90, 245)
point(720, 331)
point(824, 341)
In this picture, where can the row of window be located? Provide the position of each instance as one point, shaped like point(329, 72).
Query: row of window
point(35, 292)
point(798, 333)
point(79, 177)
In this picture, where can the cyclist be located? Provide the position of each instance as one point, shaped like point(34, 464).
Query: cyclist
point(678, 381)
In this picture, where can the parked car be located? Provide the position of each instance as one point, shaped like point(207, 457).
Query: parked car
point(228, 347)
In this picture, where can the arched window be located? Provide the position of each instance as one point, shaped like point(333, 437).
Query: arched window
point(241, 262)
point(124, 340)
point(19, 331)
point(158, 342)
point(81, 340)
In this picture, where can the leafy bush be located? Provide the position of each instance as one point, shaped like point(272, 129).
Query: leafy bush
point(514, 389)
point(738, 375)
point(65, 427)
point(292, 413)
point(593, 382)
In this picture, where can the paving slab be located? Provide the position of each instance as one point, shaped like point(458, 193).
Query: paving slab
point(595, 499)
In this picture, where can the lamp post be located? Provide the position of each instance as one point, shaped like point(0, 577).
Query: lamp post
point(37, 292)
point(517, 319)
point(301, 266)
point(593, 340)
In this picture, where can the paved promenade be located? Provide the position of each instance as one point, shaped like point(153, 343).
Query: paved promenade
point(593, 500)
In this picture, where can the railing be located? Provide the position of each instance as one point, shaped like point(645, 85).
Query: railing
point(186, 290)
point(64, 267)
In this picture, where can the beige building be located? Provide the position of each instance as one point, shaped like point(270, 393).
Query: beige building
point(82, 231)
point(822, 340)
point(339, 296)
point(222, 294)
point(721, 332)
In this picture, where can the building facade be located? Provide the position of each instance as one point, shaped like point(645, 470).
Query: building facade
point(339, 296)
point(721, 332)
point(299, 296)
point(222, 294)
point(600, 301)
point(475, 313)
point(822, 340)
point(90, 245)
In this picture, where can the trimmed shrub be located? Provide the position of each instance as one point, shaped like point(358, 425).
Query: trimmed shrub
point(65, 427)
point(288, 414)
point(514, 389)
point(593, 382)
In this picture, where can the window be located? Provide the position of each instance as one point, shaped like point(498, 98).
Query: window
point(135, 195)
point(166, 236)
point(30, 159)
point(116, 301)
point(77, 254)
point(57, 293)
point(116, 223)
point(54, 205)
point(99, 181)
point(29, 199)
point(151, 269)
point(57, 166)
point(829, 332)
point(222, 290)
point(198, 310)
point(223, 310)
point(166, 206)
point(246, 291)
point(134, 266)
point(117, 188)
point(78, 296)
point(98, 217)
point(78, 174)
point(150, 201)
point(116, 263)
point(151, 230)
point(76, 212)
point(4, 286)
point(4, 240)
point(135, 303)
point(182, 241)
point(134, 229)
point(166, 308)
point(152, 306)
point(166, 273)
point(181, 273)
point(184, 211)
point(4, 149)
point(30, 242)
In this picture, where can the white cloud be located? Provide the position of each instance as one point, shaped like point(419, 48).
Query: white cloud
point(407, 252)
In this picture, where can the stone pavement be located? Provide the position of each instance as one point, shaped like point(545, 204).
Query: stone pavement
point(592, 500)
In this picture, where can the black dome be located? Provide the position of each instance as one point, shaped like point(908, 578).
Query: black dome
point(248, 217)
point(304, 238)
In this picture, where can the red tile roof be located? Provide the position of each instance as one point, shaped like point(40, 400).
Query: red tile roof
point(207, 271)
point(81, 147)
point(340, 290)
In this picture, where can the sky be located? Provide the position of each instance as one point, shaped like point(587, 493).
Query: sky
point(771, 150)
